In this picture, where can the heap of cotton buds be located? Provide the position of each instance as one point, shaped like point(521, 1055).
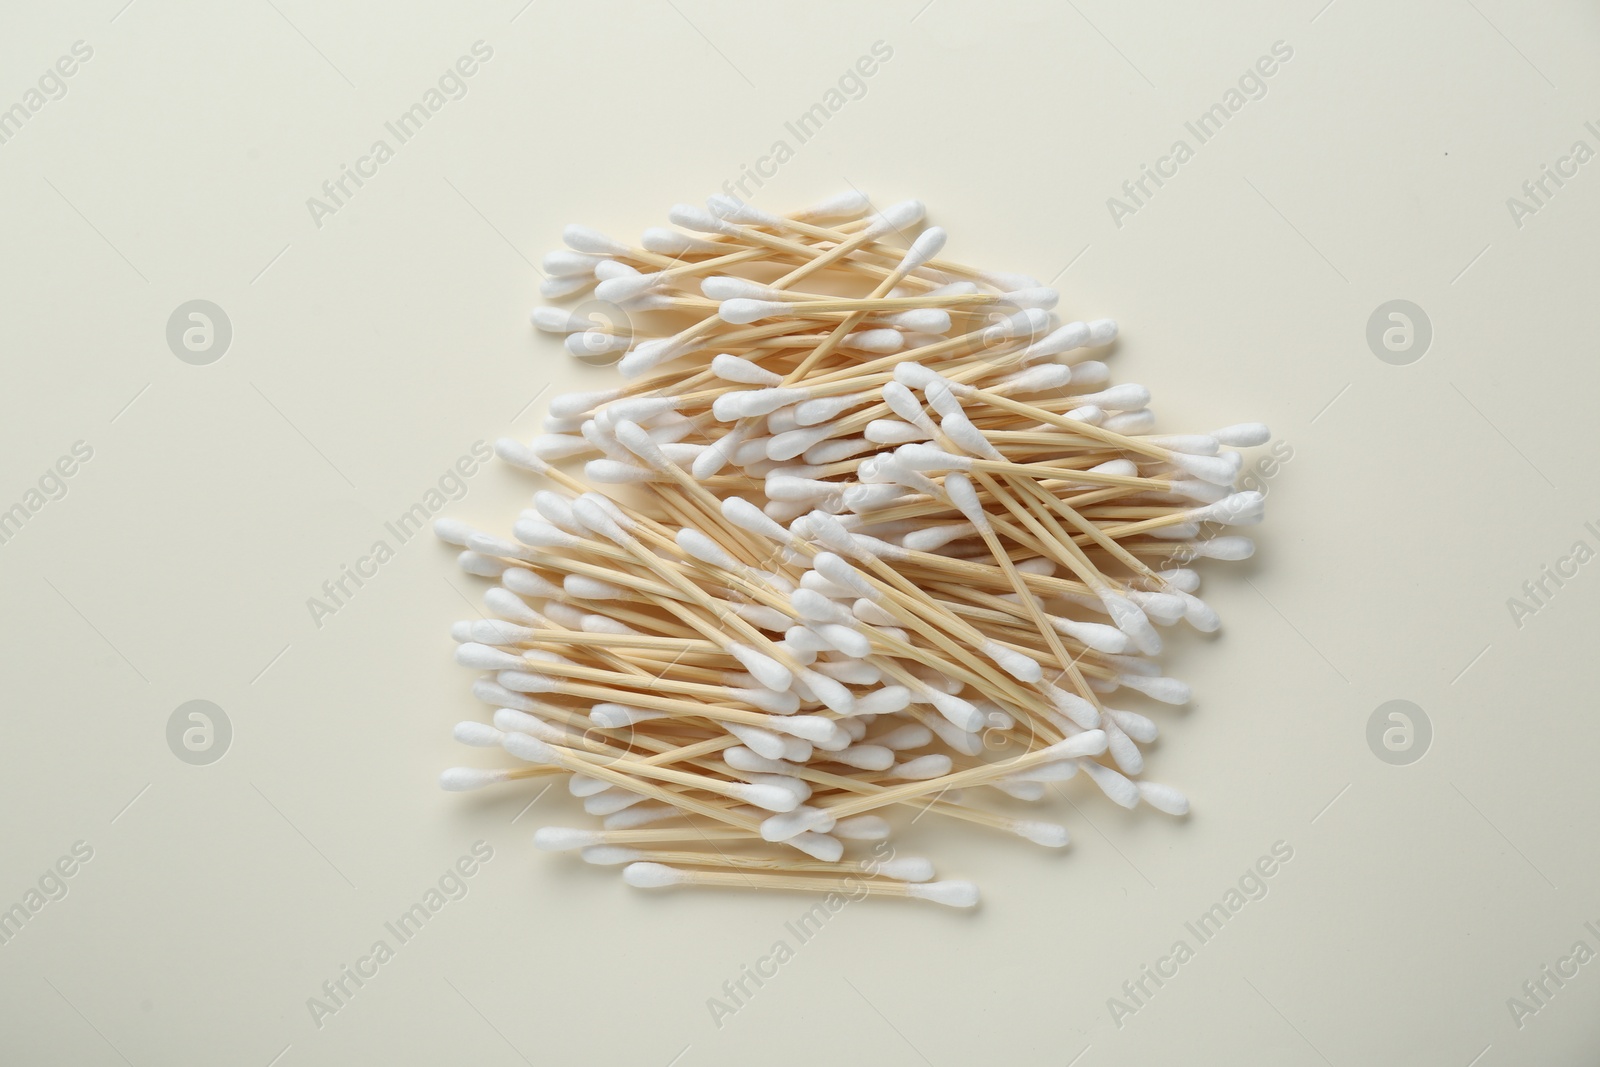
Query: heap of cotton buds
point(862, 529)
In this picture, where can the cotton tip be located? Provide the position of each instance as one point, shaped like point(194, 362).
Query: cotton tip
point(563, 838)
point(734, 209)
point(1133, 622)
point(862, 828)
point(583, 239)
point(1112, 784)
point(556, 288)
point(482, 566)
point(1199, 614)
point(786, 825)
point(919, 457)
point(896, 217)
point(1126, 397)
point(1095, 635)
point(846, 205)
point(958, 487)
point(950, 894)
point(1218, 470)
point(1227, 548)
point(819, 846)
point(563, 263)
point(737, 369)
point(879, 342)
point(885, 700)
point(766, 670)
point(767, 797)
point(1062, 339)
point(1044, 377)
point(652, 876)
point(1102, 332)
point(640, 815)
point(465, 779)
point(485, 658)
point(835, 696)
point(928, 245)
point(610, 855)
point(742, 310)
point(747, 403)
point(1163, 798)
point(698, 219)
point(729, 287)
point(747, 516)
point(667, 242)
point(1019, 666)
point(1088, 743)
point(1130, 423)
point(901, 868)
point(1166, 690)
point(1048, 834)
point(452, 531)
point(839, 571)
point(864, 757)
point(920, 320)
point(1240, 509)
point(626, 287)
point(923, 768)
point(1243, 435)
point(518, 454)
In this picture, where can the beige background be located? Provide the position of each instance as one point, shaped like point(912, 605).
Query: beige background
point(368, 354)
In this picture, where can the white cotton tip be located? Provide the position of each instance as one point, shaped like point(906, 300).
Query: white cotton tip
point(786, 825)
point(951, 894)
point(610, 855)
point(581, 785)
point(1163, 798)
point(832, 451)
point(486, 658)
point(1074, 707)
point(1199, 614)
point(823, 409)
point(766, 670)
point(864, 757)
point(1183, 531)
point(1240, 509)
point(1095, 635)
point(1194, 444)
point(611, 801)
point(747, 403)
point(619, 716)
point(1139, 727)
point(902, 738)
point(1126, 397)
point(584, 239)
point(482, 566)
point(496, 632)
point(1133, 622)
point(1045, 377)
point(615, 472)
point(742, 310)
point(706, 550)
point(537, 533)
point(1112, 784)
point(834, 695)
point(1022, 668)
point(929, 321)
point(958, 487)
point(799, 490)
point(690, 217)
point(518, 454)
point(465, 779)
point(1020, 789)
point(1122, 468)
point(565, 264)
point(607, 269)
point(1123, 751)
point(885, 700)
point(846, 205)
point(747, 516)
point(815, 607)
point(729, 287)
point(1227, 548)
point(563, 838)
point(1130, 423)
point(548, 319)
point(667, 242)
point(966, 434)
point(734, 209)
point(1198, 491)
point(1166, 690)
point(763, 743)
point(744, 759)
point(862, 828)
point(1062, 339)
point(819, 846)
point(737, 369)
point(452, 531)
point(1218, 470)
point(930, 458)
point(894, 432)
point(766, 700)
point(928, 245)
point(640, 815)
point(897, 217)
point(1243, 435)
point(1102, 332)
point(1048, 834)
point(790, 444)
point(652, 876)
point(556, 288)
point(1088, 743)
point(765, 797)
point(461, 632)
point(921, 769)
point(627, 287)
point(528, 748)
point(813, 728)
point(901, 868)
point(1164, 608)
point(569, 405)
point(879, 342)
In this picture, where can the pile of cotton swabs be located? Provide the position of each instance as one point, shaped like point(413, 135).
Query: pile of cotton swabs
point(864, 533)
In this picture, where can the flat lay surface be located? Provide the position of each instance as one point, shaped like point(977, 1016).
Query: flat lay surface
point(267, 272)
